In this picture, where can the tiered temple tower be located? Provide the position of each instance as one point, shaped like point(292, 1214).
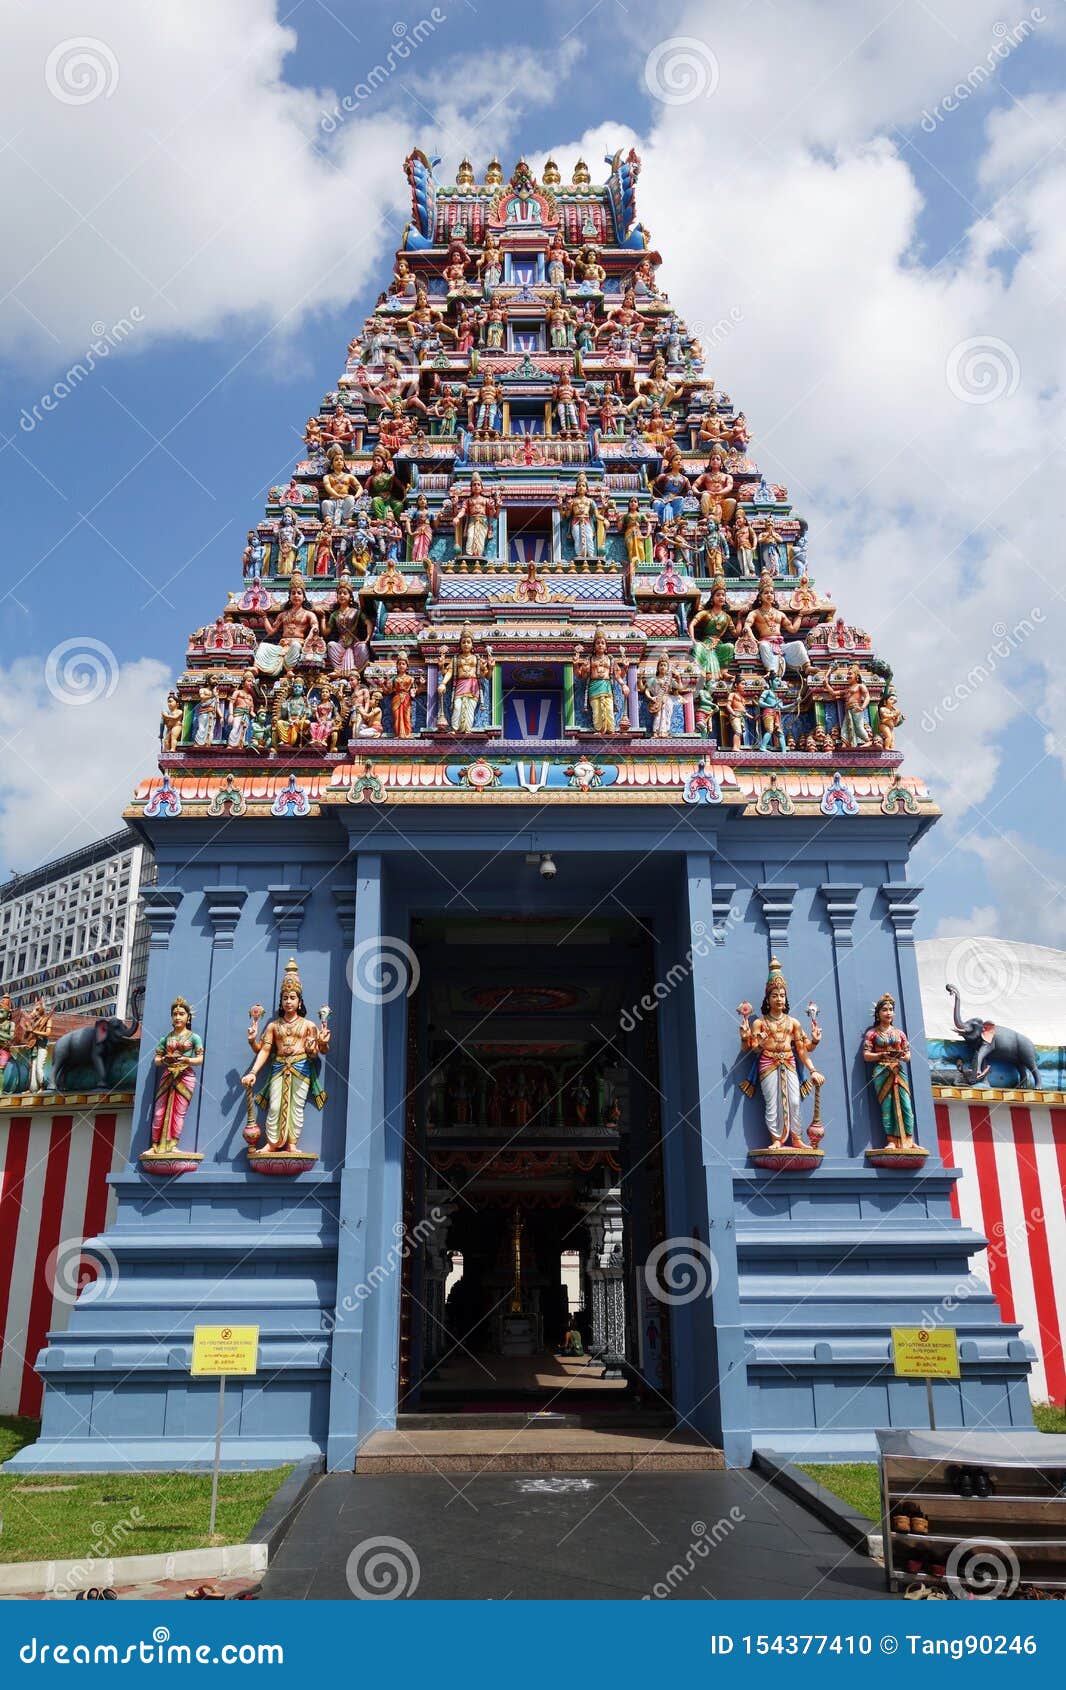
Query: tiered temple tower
point(528, 603)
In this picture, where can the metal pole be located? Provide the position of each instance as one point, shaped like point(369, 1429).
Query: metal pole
point(929, 1400)
point(218, 1451)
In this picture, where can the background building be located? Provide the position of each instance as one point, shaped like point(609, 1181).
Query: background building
point(71, 928)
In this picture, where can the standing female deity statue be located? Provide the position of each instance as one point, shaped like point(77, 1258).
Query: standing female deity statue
point(290, 1049)
point(855, 730)
point(885, 1048)
point(177, 1056)
point(781, 1047)
point(289, 540)
point(419, 526)
point(659, 690)
point(402, 689)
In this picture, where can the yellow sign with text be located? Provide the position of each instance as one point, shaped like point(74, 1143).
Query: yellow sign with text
point(221, 1350)
point(925, 1352)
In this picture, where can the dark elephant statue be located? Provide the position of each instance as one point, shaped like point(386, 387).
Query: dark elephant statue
point(93, 1049)
point(988, 1043)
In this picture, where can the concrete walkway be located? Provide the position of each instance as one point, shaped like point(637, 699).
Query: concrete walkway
point(684, 1536)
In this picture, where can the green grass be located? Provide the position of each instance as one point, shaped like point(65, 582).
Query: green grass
point(856, 1482)
point(1048, 1418)
point(87, 1516)
point(14, 1433)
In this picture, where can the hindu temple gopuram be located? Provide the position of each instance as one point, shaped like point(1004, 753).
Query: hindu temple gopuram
point(532, 827)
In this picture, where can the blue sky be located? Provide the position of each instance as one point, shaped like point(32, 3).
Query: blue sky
point(200, 198)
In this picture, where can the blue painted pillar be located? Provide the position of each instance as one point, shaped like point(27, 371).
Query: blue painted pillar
point(365, 1333)
point(217, 1125)
point(841, 904)
point(725, 1411)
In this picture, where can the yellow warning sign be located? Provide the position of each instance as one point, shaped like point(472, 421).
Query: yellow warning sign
point(925, 1352)
point(218, 1350)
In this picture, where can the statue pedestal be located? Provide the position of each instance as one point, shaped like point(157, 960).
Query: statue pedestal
point(281, 1161)
point(796, 1161)
point(519, 1335)
point(170, 1162)
point(912, 1158)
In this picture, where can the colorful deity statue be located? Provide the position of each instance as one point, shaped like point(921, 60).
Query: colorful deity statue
point(635, 534)
point(715, 488)
point(7, 1038)
point(713, 633)
point(768, 624)
point(252, 560)
point(736, 714)
point(490, 263)
point(580, 507)
point(559, 263)
point(671, 486)
point(602, 673)
point(323, 558)
point(856, 731)
point(293, 634)
point(345, 652)
point(781, 1048)
point(292, 714)
point(384, 487)
point(419, 526)
point(36, 1036)
point(464, 672)
point(771, 547)
point(172, 724)
point(569, 410)
point(474, 513)
point(486, 408)
point(660, 689)
point(289, 540)
point(401, 690)
point(241, 710)
point(889, 717)
point(886, 1050)
point(743, 543)
point(771, 711)
point(290, 1049)
point(177, 1056)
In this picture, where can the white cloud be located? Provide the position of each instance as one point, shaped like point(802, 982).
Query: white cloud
point(197, 185)
point(789, 195)
point(68, 768)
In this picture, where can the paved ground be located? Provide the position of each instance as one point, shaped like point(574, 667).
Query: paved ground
point(608, 1536)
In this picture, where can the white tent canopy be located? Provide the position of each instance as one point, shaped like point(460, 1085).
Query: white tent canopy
point(1020, 986)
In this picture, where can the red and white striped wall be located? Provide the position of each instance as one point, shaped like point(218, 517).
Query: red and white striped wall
point(1011, 1147)
point(55, 1157)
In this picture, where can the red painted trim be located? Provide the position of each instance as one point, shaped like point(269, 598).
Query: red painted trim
point(984, 1150)
point(100, 1160)
point(39, 1316)
point(1036, 1242)
point(947, 1155)
point(11, 1182)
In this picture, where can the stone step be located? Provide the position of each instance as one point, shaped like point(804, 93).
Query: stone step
point(440, 1420)
point(539, 1449)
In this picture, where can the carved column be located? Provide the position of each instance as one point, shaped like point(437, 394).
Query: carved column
point(606, 1271)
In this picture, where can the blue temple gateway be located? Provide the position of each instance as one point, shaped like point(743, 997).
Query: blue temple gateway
point(532, 954)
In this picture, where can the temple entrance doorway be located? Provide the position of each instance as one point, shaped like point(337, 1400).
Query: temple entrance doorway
point(533, 1176)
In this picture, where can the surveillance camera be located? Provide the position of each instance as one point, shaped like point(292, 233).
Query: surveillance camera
point(547, 867)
